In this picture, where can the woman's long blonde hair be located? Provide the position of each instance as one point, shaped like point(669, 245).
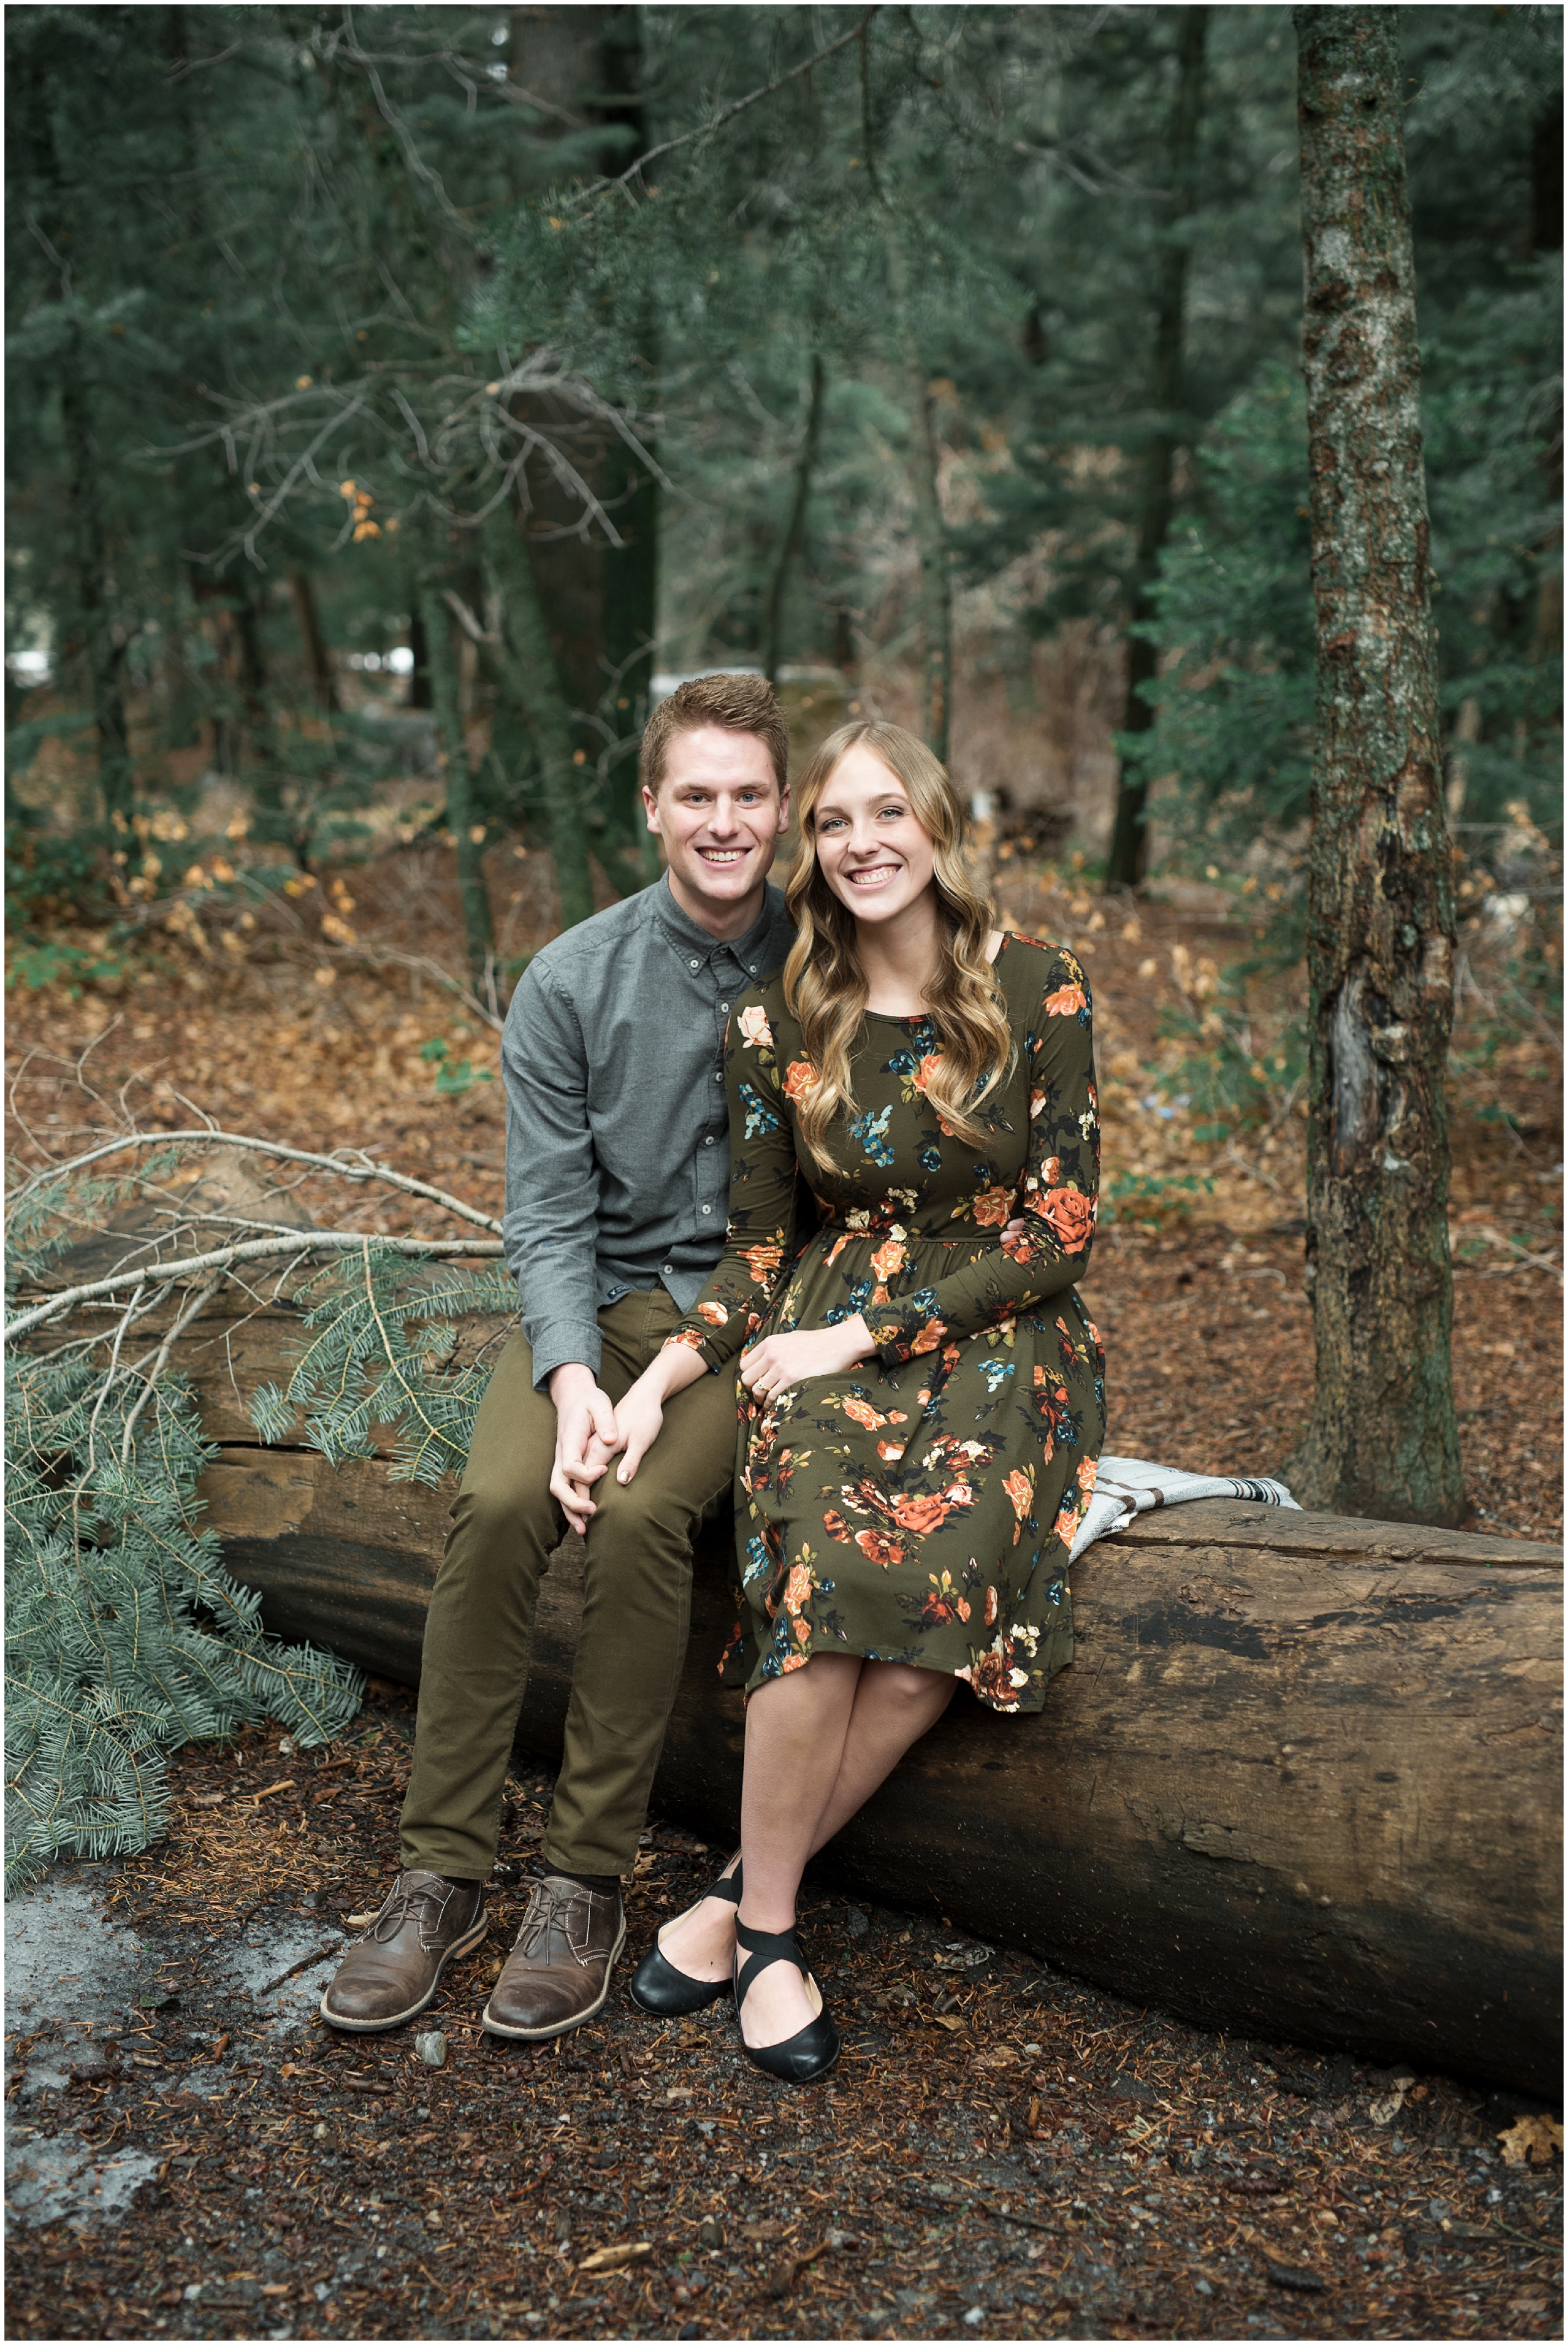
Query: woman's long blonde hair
point(825, 986)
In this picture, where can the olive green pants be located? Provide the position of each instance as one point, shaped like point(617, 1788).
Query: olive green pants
point(636, 1610)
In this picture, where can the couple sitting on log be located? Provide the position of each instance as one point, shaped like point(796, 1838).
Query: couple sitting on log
point(908, 1096)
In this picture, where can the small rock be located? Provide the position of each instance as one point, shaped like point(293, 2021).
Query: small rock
point(1305, 2283)
point(432, 2048)
point(711, 2232)
point(321, 2132)
point(286, 1747)
point(856, 1923)
point(973, 2318)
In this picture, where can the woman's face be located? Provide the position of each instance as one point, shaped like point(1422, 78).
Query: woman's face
point(872, 852)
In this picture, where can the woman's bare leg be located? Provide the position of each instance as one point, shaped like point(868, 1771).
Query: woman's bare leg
point(818, 1743)
point(795, 1728)
point(892, 1708)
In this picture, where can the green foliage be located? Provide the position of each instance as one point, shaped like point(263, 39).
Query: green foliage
point(1152, 1197)
point(124, 1635)
point(53, 874)
point(453, 1080)
point(376, 1356)
point(54, 963)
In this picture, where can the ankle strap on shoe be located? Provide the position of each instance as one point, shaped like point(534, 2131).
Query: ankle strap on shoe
point(727, 1886)
point(762, 1948)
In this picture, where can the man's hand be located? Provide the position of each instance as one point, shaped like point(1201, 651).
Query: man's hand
point(784, 1360)
point(584, 1440)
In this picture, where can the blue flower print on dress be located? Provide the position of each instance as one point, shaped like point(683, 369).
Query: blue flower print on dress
point(995, 1373)
point(759, 1116)
point(870, 1131)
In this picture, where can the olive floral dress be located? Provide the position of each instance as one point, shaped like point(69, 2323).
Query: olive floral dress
point(920, 1506)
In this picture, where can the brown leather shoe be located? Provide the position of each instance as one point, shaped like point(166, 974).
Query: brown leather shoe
point(558, 1973)
point(393, 1971)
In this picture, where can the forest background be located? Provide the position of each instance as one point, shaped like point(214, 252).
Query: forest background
point(399, 398)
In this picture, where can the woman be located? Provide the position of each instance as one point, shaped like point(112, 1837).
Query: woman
point(923, 1397)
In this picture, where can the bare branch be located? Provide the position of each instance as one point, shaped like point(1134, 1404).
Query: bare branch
point(707, 130)
point(363, 1171)
point(299, 1242)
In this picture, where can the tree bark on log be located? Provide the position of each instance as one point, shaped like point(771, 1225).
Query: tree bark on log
point(1302, 1782)
point(1383, 1438)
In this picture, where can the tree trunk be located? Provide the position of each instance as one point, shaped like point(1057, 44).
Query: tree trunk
point(528, 674)
point(94, 594)
point(793, 536)
point(1129, 837)
point(599, 600)
point(1383, 1438)
point(318, 658)
point(460, 822)
point(936, 600)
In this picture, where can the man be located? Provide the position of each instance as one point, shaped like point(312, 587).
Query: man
point(617, 1167)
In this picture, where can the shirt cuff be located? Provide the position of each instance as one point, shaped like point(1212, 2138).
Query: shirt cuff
point(689, 1339)
point(561, 1341)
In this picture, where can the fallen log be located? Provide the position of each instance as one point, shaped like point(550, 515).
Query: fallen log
point(1302, 1782)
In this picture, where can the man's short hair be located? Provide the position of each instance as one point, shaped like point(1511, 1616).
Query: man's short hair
point(741, 704)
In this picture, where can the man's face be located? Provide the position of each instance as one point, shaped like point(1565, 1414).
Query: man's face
point(721, 814)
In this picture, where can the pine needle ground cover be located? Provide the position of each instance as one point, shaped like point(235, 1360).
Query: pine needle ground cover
point(1000, 2152)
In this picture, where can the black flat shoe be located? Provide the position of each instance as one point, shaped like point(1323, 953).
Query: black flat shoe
point(802, 2057)
point(657, 1986)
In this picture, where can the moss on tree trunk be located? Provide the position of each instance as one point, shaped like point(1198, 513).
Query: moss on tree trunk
point(1383, 1438)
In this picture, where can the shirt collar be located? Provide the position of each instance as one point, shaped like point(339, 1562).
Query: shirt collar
point(697, 944)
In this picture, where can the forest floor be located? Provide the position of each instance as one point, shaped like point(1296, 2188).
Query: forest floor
point(1041, 2160)
point(1057, 2162)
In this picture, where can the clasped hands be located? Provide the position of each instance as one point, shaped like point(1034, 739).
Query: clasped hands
point(591, 1430)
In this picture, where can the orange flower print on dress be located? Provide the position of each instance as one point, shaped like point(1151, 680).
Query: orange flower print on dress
point(862, 1412)
point(925, 1070)
point(879, 1548)
point(800, 1077)
point(930, 1335)
point(687, 1335)
point(993, 1206)
point(943, 1604)
point(1069, 1214)
point(888, 1259)
point(1020, 1486)
point(990, 1607)
point(799, 1588)
point(756, 1031)
point(920, 1515)
point(835, 1527)
point(890, 1452)
point(1065, 1002)
point(715, 1313)
point(993, 1678)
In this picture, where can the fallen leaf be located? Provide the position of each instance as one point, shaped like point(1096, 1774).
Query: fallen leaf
point(1539, 2139)
point(950, 2020)
point(275, 2287)
point(613, 2258)
point(207, 1799)
point(358, 1921)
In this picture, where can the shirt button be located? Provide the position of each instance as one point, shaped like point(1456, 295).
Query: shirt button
point(709, 1141)
point(707, 1209)
point(717, 1076)
point(668, 1271)
point(696, 964)
point(724, 1005)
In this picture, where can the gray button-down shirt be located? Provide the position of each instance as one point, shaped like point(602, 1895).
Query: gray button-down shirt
point(617, 1155)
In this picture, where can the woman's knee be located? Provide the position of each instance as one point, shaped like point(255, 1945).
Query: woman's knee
point(911, 1687)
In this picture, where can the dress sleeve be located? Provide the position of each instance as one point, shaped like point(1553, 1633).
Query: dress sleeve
point(759, 1244)
point(1056, 1198)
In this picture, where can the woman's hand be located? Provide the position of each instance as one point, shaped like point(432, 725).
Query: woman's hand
point(640, 1418)
point(784, 1360)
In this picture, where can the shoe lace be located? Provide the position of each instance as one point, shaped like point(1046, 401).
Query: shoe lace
point(548, 1909)
point(419, 1901)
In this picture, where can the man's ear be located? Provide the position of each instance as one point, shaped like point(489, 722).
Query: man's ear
point(783, 809)
point(651, 806)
